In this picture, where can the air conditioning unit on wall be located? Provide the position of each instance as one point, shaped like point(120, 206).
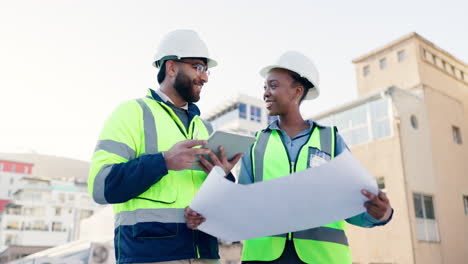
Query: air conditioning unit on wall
point(102, 253)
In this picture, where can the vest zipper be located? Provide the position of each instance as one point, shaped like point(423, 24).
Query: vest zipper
point(293, 166)
point(195, 233)
point(291, 170)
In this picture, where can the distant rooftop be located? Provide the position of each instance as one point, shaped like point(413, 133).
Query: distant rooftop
point(51, 167)
point(405, 38)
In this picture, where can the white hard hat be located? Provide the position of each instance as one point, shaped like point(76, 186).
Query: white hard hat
point(300, 64)
point(182, 43)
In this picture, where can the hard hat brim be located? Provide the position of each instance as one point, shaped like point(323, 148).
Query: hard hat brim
point(210, 62)
point(311, 94)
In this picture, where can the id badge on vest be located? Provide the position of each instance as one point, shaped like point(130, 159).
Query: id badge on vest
point(316, 158)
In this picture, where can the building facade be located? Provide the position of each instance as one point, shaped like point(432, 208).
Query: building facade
point(36, 211)
point(11, 172)
point(44, 213)
point(244, 115)
point(413, 140)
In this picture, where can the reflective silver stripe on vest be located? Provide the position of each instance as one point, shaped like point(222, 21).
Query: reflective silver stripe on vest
point(151, 137)
point(208, 126)
point(163, 215)
point(117, 148)
point(259, 152)
point(326, 140)
point(326, 234)
point(99, 184)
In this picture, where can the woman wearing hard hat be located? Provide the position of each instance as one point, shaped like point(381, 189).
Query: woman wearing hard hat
point(292, 144)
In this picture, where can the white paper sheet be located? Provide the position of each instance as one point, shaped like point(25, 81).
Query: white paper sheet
point(299, 201)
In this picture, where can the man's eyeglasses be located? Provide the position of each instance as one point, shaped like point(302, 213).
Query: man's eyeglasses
point(200, 67)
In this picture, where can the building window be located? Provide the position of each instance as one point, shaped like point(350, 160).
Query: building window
point(13, 225)
point(57, 227)
point(462, 75)
point(456, 135)
point(380, 118)
point(414, 121)
point(444, 65)
point(85, 214)
point(363, 123)
point(423, 206)
point(465, 202)
point(243, 111)
point(383, 63)
point(10, 239)
point(61, 197)
point(426, 224)
point(453, 70)
point(402, 55)
point(434, 59)
point(255, 114)
point(272, 119)
point(366, 70)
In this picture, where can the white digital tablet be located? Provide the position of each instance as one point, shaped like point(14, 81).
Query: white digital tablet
point(232, 143)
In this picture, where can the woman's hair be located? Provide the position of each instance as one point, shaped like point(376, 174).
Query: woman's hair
point(298, 80)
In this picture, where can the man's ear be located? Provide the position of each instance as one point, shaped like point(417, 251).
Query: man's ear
point(171, 68)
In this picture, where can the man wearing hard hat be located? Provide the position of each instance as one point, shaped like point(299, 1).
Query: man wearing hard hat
point(143, 160)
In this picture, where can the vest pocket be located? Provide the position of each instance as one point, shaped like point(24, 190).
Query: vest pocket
point(316, 157)
point(164, 192)
point(155, 230)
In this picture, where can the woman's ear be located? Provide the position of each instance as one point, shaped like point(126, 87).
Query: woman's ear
point(299, 93)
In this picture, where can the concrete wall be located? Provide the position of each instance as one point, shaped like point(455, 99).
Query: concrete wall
point(451, 167)
point(417, 157)
point(400, 74)
point(391, 243)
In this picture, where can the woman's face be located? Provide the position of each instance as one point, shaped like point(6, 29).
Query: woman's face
point(280, 94)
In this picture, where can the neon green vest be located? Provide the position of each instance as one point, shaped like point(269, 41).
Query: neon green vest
point(323, 245)
point(150, 127)
point(177, 188)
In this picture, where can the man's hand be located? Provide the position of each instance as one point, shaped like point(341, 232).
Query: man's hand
point(193, 219)
point(220, 161)
point(378, 205)
point(182, 155)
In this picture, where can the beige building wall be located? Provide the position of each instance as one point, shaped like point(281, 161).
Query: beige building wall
point(431, 162)
point(392, 243)
point(402, 74)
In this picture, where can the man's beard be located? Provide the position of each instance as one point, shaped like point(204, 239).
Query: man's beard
point(184, 88)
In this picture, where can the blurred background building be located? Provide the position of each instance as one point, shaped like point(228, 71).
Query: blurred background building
point(43, 200)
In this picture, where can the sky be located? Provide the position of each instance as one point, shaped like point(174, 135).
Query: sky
point(66, 65)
